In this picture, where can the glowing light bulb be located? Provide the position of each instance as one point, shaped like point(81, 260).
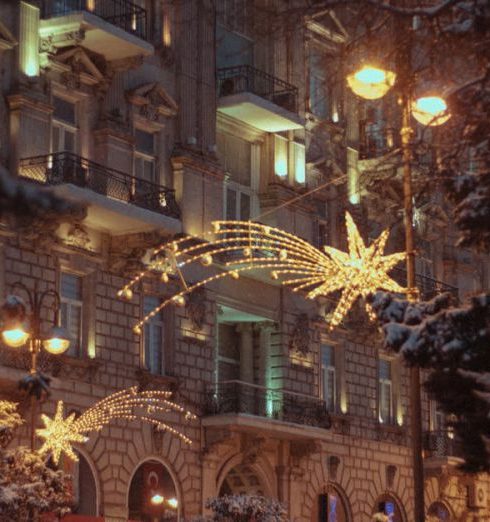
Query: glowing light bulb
point(430, 110)
point(206, 260)
point(126, 294)
point(15, 337)
point(274, 275)
point(283, 255)
point(137, 330)
point(179, 300)
point(370, 82)
point(164, 277)
point(157, 499)
point(173, 503)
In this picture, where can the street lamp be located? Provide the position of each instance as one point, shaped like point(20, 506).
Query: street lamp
point(432, 111)
point(19, 326)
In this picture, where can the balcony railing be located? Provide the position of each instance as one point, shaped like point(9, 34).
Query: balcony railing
point(442, 443)
point(245, 78)
point(374, 143)
point(120, 13)
point(241, 397)
point(427, 286)
point(65, 167)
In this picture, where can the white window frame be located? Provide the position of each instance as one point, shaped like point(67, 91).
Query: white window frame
point(384, 384)
point(145, 157)
point(149, 329)
point(330, 372)
point(293, 149)
point(72, 303)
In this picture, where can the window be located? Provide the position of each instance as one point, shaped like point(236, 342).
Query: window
point(228, 352)
point(153, 337)
point(236, 156)
point(331, 507)
point(329, 388)
point(289, 160)
point(71, 310)
point(144, 156)
point(323, 97)
point(390, 507)
point(64, 126)
point(385, 391)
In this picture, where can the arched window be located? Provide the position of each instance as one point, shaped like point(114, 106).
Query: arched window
point(389, 506)
point(85, 492)
point(152, 494)
point(331, 507)
point(438, 512)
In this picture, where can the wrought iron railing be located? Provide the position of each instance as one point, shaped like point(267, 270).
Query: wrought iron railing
point(121, 13)
point(442, 443)
point(245, 78)
point(427, 286)
point(241, 397)
point(374, 143)
point(65, 167)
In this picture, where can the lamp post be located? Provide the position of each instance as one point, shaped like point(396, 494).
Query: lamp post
point(20, 326)
point(373, 83)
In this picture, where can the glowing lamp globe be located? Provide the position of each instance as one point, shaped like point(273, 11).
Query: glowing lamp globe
point(157, 499)
point(57, 342)
point(15, 337)
point(173, 503)
point(430, 110)
point(371, 83)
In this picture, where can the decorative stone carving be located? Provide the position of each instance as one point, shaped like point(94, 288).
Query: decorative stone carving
point(333, 463)
point(390, 476)
point(214, 438)
point(152, 101)
point(300, 450)
point(196, 308)
point(300, 338)
point(78, 237)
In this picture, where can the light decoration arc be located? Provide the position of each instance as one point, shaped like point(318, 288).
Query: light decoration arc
point(60, 433)
point(244, 246)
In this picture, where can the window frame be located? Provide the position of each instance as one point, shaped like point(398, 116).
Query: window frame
point(65, 127)
point(382, 384)
point(332, 371)
point(70, 302)
point(292, 145)
point(154, 322)
point(145, 156)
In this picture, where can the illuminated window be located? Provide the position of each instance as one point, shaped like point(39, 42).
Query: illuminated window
point(71, 310)
point(298, 151)
point(331, 507)
point(329, 387)
point(390, 507)
point(438, 512)
point(385, 387)
point(289, 160)
point(281, 159)
point(65, 127)
point(153, 337)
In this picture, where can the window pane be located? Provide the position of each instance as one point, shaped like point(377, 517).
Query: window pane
point(280, 156)
point(244, 206)
point(57, 145)
point(153, 336)
point(71, 286)
point(299, 163)
point(384, 369)
point(150, 303)
point(64, 110)
point(149, 171)
point(327, 355)
point(231, 204)
point(144, 141)
point(69, 141)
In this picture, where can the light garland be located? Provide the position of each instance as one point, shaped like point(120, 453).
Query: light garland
point(60, 433)
point(241, 246)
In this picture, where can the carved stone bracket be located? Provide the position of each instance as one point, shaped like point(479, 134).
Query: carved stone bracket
point(300, 338)
point(301, 450)
point(214, 438)
point(196, 308)
point(390, 475)
point(333, 463)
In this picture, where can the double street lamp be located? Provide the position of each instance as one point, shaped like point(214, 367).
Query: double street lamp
point(373, 83)
point(21, 326)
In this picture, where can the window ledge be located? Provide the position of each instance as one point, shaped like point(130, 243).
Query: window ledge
point(67, 365)
point(146, 378)
point(391, 433)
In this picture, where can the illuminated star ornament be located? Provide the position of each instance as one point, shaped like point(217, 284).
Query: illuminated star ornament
point(60, 433)
point(245, 246)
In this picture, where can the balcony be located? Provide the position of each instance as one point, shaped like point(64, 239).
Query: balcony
point(428, 287)
point(108, 192)
point(249, 407)
point(114, 28)
point(258, 99)
point(441, 444)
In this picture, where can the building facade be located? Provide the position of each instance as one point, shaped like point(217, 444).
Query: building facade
point(163, 116)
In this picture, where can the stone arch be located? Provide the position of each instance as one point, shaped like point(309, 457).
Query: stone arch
point(261, 468)
point(435, 508)
point(157, 460)
point(392, 497)
point(333, 491)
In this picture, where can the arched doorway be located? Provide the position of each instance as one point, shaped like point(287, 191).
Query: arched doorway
point(84, 484)
point(242, 480)
point(390, 506)
point(331, 506)
point(438, 512)
point(152, 494)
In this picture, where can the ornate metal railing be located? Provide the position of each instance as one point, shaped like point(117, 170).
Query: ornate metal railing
point(65, 167)
point(374, 143)
point(427, 286)
point(241, 397)
point(442, 443)
point(121, 13)
point(245, 78)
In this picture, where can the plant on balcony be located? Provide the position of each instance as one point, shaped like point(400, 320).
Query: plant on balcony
point(28, 486)
point(245, 508)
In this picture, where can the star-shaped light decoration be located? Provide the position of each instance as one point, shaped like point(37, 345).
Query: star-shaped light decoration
point(362, 271)
point(60, 433)
point(245, 246)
